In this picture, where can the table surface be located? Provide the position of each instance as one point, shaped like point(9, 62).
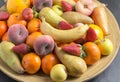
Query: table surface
point(112, 73)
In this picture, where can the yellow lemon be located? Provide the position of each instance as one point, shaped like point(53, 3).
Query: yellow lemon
point(98, 31)
point(17, 6)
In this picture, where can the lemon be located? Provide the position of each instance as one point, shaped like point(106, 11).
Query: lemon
point(98, 31)
point(17, 6)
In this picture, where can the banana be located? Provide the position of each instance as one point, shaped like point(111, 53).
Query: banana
point(50, 16)
point(9, 57)
point(63, 35)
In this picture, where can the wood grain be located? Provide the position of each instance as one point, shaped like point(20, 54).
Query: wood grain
point(92, 71)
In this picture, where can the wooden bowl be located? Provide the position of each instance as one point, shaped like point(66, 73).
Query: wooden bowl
point(92, 71)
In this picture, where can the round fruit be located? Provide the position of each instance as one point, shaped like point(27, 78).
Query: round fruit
point(58, 73)
point(31, 62)
point(98, 31)
point(5, 37)
point(105, 46)
point(17, 33)
point(16, 18)
point(32, 37)
point(93, 53)
point(17, 6)
point(48, 62)
point(3, 28)
point(34, 25)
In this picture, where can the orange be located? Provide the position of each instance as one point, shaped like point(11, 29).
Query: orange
point(93, 53)
point(98, 31)
point(32, 37)
point(31, 1)
point(76, 0)
point(48, 62)
point(5, 37)
point(34, 25)
point(3, 28)
point(16, 18)
point(31, 62)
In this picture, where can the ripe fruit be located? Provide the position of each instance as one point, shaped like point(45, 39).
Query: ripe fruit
point(91, 35)
point(85, 7)
point(27, 14)
point(44, 45)
point(34, 25)
point(66, 6)
point(5, 37)
point(31, 62)
point(32, 37)
point(17, 33)
point(97, 30)
point(105, 46)
point(4, 15)
point(72, 49)
point(16, 18)
point(17, 6)
point(93, 53)
point(21, 49)
point(48, 62)
point(57, 9)
point(3, 28)
point(58, 73)
point(64, 25)
point(39, 4)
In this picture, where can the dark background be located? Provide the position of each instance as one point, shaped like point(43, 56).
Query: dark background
point(112, 73)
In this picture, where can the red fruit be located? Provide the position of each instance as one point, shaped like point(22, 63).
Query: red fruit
point(64, 25)
point(4, 15)
point(27, 14)
point(21, 49)
point(82, 40)
point(91, 35)
point(66, 6)
point(72, 49)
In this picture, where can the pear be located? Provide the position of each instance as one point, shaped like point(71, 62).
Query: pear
point(9, 57)
point(76, 17)
point(50, 16)
point(76, 66)
point(99, 16)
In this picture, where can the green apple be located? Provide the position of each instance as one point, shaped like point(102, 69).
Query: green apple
point(57, 9)
point(58, 73)
point(105, 46)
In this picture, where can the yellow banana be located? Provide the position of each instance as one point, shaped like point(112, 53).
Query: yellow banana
point(63, 35)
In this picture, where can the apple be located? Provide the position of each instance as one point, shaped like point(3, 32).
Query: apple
point(58, 73)
point(27, 14)
point(105, 46)
point(57, 9)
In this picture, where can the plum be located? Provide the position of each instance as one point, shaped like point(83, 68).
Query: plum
point(43, 45)
point(39, 4)
point(17, 33)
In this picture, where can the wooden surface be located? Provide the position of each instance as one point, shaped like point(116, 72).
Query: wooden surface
point(92, 71)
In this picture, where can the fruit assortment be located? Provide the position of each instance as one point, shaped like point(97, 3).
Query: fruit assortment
point(59, 37)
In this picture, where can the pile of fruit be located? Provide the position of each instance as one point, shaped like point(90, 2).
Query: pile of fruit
point(59, 37)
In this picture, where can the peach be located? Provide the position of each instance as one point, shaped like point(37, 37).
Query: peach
point(44, 45)
point(39, 4)
point(17, 33)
